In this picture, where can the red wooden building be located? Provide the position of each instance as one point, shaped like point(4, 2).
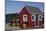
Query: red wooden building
point(31, 16)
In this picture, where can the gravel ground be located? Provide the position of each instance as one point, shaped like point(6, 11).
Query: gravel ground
point(7, 27)
point(10, 28)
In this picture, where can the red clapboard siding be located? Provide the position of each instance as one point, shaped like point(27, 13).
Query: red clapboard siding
point(25, 11)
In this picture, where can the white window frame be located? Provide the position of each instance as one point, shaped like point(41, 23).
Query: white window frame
point(24, 18)
point(39, 18)
point(34, 17)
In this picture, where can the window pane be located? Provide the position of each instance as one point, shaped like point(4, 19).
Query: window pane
point(40, 17)
point(24, 16)
point(32, 17)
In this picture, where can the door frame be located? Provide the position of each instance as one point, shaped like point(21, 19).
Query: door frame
point(38, 22)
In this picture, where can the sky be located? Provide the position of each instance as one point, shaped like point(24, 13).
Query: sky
point(17, 6)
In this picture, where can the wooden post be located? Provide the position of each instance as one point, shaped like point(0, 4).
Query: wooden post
point(13, 22)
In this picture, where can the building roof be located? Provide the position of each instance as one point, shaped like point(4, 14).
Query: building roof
point(33, 10)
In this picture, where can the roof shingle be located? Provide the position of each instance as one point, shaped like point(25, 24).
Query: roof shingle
point(34, 10)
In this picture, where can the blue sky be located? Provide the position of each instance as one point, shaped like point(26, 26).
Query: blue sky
point(16, 6)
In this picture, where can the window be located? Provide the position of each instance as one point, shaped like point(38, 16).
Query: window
point(24, 17)
point(40, 18)
point(33, 17)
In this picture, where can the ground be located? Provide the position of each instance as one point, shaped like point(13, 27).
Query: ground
point(8, 27)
